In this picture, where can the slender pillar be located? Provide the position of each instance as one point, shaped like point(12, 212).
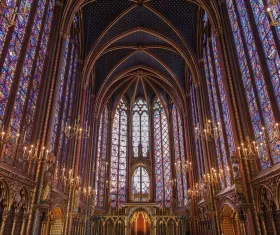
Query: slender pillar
point(4, 218)
point(14, 224)
point(23, 225)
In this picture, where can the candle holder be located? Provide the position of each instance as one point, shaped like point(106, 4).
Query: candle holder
point(211, 131)
point(214, 177)
point(77, 131)
point(7, 136)
point(183, 166)
point(195, 192)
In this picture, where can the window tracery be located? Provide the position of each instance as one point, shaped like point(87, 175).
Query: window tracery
point(141, 184)
point(140, 128)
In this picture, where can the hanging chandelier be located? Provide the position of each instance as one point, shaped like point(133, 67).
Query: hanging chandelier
point(183, 166)
point(211, 130)
point(77, 131)
point(213, 177)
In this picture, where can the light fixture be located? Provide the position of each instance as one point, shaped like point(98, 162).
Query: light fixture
point(77, 131)
point(183, 166)
point(273, 13)
point(251, 150)
point(210, 131)
point(195, 192)
point(214, 177)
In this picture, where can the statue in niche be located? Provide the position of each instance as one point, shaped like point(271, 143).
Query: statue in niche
point(76, 199)
point(47, 185)
point(239, 192)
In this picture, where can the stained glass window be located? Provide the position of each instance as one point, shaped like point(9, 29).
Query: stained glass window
point(58, 104)
point(220, 150)
point(140, 184)
point(140, 128)
point(198, 143)
point(29, 81)
point(219, 109)
point(162, 156)
point(101, 161)
point(252, 74)
point(119, 156)
point(11, 58)
point(181, 177)
point(267, 40)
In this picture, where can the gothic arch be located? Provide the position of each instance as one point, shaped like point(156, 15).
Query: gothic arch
point(126, 76)
point(265, 199)
point(4, 195)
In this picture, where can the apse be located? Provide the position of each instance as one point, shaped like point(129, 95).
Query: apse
point(142, 117)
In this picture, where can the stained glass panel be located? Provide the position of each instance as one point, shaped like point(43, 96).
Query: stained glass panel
point(101, 167)
point(162, 157)
point(181, 176)
point(255, 88)
point(11, 59)
point(267, 40)
point(140, 128)
point(119, 156)
point(141, 184)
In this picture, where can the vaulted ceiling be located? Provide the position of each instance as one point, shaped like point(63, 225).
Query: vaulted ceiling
point(155, 37)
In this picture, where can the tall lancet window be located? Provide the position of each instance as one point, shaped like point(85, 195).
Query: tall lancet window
point(119, 156)
point(20, 80)
point(101, 168)
point(252, 70)
point(161, 154)
point(198, 143)
point(140, 128)
point(141, 184)
point(181, 180)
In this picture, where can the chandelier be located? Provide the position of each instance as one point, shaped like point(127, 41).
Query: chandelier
point(250, 150)
point(32, 152)
point(77, 131)
point(183, 166)
point(272, 11)
point(214, 177)
point(195, 192)
point(8, 137)
point(211, 130)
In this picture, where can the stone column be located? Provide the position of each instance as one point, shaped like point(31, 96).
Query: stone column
point(271, 216)
point(4, 218)
point(14, 223)
point(23, 225)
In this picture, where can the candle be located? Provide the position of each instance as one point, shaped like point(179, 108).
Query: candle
point(26, 5)
point(24, 136)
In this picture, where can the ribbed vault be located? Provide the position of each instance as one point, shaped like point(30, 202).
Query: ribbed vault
point(125, 38)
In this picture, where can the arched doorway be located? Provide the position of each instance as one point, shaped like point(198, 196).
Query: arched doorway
point(229, 221)
point(57, 221)
point(171, 227)
point(140, 224)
